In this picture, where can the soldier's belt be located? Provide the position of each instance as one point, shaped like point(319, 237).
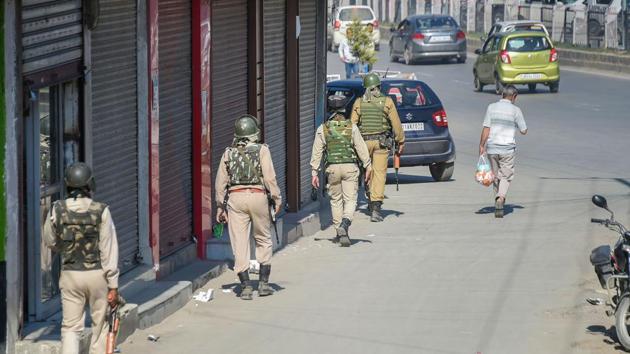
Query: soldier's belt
point(371, 137)
point(247, 190)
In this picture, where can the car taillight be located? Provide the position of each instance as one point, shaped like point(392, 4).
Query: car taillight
point(439, 118)
point(376, 24)
point(418, 37)
point(505, 57)
point(553, 55)
point(461, 35)
point(337, 25)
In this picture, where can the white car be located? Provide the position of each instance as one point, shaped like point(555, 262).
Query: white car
point(341, 19)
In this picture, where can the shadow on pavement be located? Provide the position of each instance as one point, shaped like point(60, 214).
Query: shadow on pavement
point(411, 179)
point(353, 241)
point(236, 287)
point(507, 209)
point(610, 336)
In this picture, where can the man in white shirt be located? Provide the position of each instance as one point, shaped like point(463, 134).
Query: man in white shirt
point(498, 140)
point(347, 56)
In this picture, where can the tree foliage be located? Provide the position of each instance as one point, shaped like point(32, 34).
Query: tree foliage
point(361, 42)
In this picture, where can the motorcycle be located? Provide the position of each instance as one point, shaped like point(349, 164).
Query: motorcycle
point(612, 267)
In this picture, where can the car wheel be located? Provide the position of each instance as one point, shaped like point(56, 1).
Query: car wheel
point(442, 171)
point(554, 87)
point(531, 87)
point(498, 85)
point(407, 56)
point(461, 60)
point(392, 57)
point(477, 83)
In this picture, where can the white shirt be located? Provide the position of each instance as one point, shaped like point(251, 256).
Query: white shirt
point(503, 118)
point(345, 53)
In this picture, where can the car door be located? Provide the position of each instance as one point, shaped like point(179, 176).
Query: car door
point(399, 39)
point(486, 62)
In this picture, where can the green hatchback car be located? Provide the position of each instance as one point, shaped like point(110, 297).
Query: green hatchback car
point(517, 58)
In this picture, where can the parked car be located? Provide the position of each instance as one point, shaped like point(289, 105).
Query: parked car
point(342, 17)
point(516, 26)
point(517, 58)
point(428, 141)
point(427, 37)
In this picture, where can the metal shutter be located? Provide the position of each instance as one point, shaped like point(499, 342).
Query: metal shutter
point(115, 120)
point(52, 34)
point(308, 19)
point(274, 12)
point(175, 55)
point(229, 72)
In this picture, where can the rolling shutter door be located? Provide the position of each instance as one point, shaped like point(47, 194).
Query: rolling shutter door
point(274, 12)
point(229, 72)
point(308, 17)
point(175, 65)
point(115, 121)
point(52, 34)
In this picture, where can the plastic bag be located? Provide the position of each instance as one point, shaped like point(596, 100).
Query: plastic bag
point(484, 175)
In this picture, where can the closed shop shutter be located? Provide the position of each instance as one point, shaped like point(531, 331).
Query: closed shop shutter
point(52, 34)
point(229, 72)
point(274, 12)
point(115, 120)
point(308, 18)
point(175, 97)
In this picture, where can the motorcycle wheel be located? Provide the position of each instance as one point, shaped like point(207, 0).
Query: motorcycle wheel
point(622, 322)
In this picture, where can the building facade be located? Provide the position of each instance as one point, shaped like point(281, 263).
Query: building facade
point(146, 92)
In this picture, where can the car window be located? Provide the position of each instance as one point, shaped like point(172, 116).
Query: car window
point(356, 13)
point(434, 22)
point(403, 27)
point(407, 95)
point(495, 44)
point(527, 44)
point(535, 28)
point(488, 45)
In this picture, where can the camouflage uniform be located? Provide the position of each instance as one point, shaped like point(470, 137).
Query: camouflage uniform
point(344, 147)
point(83, 232)
point(245, 174)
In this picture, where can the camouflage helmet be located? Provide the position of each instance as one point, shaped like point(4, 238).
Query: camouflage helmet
point(246, 126)
point(371, 80)
point(337, 103)
point(79, 175)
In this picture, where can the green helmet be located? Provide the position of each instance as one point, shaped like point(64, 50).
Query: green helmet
point(371, 80)
point(79, 175)
point(246, 126)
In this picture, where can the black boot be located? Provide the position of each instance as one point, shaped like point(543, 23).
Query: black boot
point(247, 290)
point(376, 212)
point(263, 284)
point(342, 232)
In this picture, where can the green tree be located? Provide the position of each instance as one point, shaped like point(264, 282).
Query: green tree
point(361, 42)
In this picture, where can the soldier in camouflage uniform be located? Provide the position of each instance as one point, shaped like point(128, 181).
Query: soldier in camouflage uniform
point(377, 118)
point(343, 146)
point(245, 176)
point(83, 232)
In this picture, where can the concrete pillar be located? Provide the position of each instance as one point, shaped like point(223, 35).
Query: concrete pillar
point(611, 34)
point(557, 23)
point(511, 10)
point(580, 27)
point(471, 17)
point(404, 9)
point(436, 6)
point(535, 12)
point(487, 16)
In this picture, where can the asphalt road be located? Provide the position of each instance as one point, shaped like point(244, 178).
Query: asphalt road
point(441, 275)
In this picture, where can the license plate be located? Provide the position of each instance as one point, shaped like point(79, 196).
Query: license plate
point(440, 39)
point(530, 76)
point(409, 127)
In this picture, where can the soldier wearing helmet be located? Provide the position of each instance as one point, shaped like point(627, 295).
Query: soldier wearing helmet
point(377, 118)
point(83, 232)
point(340, 141)
point(245, 176)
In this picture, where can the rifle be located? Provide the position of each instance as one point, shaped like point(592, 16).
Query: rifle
point(113, 322)
point(272, 215)
point(396, 162)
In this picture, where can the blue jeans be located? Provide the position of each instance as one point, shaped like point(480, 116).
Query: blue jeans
point(352, 69)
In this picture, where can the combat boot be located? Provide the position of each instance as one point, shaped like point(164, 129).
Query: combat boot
point(247, 290)
point(342, 233)
point(376, 212)
point(264, 289)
